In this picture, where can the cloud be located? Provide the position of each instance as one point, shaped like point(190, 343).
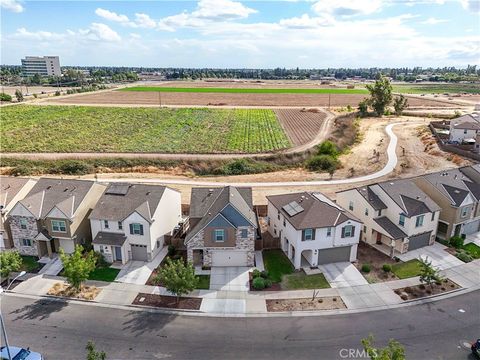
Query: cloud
point(111, 16)
point(347, 7)
point(144, 21)
point(306, 22)
point(471, 5)
point(12, 5)
point(434, 21)
point(98, 31)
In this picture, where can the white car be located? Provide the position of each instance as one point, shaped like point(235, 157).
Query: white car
point(19, 354)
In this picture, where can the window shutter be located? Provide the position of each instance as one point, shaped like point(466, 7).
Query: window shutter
point(353, 231)
point(303, 235)
point(131, 229)
point(343, 232)
point(141, 229)
point(313, 234)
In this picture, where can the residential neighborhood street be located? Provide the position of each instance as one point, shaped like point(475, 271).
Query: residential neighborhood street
point(60, 331)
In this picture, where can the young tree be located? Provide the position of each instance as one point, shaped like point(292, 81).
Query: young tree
point(19, 95)
point(428, 274)
point(363, 107)
point(177, 277)
point(10, 261)
point(77, 266)
point(92, 353)
point(393, 351)
point(400, 103)
point(380, 95)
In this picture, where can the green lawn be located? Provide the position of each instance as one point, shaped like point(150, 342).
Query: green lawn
point(473, 250)
point(277, 264)
point(29, 128)
point(104, 274)
point(203, 282)
point(299, 281)
point(29, 263)
point(245, 90)
point(407, 269)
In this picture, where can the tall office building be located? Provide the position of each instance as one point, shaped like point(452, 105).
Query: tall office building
point(41, 65)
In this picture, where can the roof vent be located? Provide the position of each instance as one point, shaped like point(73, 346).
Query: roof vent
point(455, 176)
point(148, 193)
point(49, 187)
point(456, 191)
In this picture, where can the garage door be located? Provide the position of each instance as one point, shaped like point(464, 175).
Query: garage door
point(418, 241)
point(229, 258)
point(471, 227)
point(139, 252)
point(339, 254)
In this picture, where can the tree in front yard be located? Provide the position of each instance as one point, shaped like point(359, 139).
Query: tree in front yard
point(428, 273)
point(92, 353)
point(77, 266)
point(10, 261)
point(393, 351)
point(177, 277)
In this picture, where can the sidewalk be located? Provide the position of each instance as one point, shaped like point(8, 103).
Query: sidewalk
point(238, 303)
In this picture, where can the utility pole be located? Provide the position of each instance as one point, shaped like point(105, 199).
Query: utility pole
point(160, 98)
point(329, 100)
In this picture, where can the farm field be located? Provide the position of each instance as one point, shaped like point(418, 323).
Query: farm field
point(301, 125)
point(27, 128)
point(240, 90)
point(436, 88)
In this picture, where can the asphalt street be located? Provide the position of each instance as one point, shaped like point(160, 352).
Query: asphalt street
point(60, 331)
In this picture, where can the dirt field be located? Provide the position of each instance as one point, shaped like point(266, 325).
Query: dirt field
point(300, 126)
point(33, 89)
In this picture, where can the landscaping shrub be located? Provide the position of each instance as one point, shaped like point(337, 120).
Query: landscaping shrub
point(268, 283)
point(256, 273)
point(72, 167)
point(366, 268)
point(258, 283)
point(322, 163)
point(328, 148)
point(264, 274)
point(100, 261)
point(5, 97)
point(57, 93)
point(456, 242)
point(387, 268)
point(171, 250)
point(464, 256)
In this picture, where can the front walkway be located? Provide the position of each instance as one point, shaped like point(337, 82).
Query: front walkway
point(473, 238)
point(138, 272)
point(436, 254)
point(52, 267)
point(342, 274)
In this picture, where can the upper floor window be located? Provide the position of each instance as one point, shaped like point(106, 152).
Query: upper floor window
point(23, 224)
point(26, 242)
point(348, 231)
point(136, 229)
point(433, 216)
point(105, 224)
point(284, 223)
point(244, 233)
point(219, 235)
point(59, 226)
point(465, 131)
point(278, 215)
point(350, 205)
point(366, 211)
point(120, 225)
point(329, 231)
point(401, 220)
point(464, 212)
point(380, 212)
point(308, 235)
point(419, 220)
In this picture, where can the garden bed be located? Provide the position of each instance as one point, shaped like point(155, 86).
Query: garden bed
point(305, 304)
point(421, 291)
point(366, 254)
point(178, 254)
point(169, 302)
point(30, 264)
point(65, 290)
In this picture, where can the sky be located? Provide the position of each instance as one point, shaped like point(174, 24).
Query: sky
point(244, 34)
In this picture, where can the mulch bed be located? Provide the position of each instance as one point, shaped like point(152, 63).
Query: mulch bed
point(153, 275)
point(305, 304)
point(65, 290)
point(421, 291)
point(169, 302)
point(274, 287)
point(367, 254)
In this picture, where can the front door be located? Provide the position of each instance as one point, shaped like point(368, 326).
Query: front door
point(379, 238)
point(52, 244)
point(118, 253)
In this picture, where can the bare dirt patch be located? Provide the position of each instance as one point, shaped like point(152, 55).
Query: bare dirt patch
point(368, 255)
point(65, 290)
point(421, 291)
point(169, 302)
point(305, 304)
point(301, 126)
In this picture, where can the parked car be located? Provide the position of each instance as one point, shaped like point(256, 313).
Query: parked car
point(476, 349)
point(19, 354)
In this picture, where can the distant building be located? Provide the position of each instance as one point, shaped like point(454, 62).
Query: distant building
point(41, 65)
point(464, 128)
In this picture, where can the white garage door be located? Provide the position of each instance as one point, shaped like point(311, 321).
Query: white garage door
point(229, 258)
point(139, 252)
point(471, 227)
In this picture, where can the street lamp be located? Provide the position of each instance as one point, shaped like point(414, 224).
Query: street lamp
point(1, 317)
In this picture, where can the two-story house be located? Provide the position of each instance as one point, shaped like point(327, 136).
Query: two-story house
point(222, 227)
point(12, 189)
point(465, 127)
point(458, 197)
point(130, 221)
point(313, 230)
point(397, 215)
point(53, 215)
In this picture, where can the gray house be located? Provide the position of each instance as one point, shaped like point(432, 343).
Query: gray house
point(223, 227)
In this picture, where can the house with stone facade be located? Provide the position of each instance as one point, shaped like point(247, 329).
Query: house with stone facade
point(397, 215)
point(130, 221)
point(312, 229)
point(12, 189)
point(222, 227)
point(53, 215)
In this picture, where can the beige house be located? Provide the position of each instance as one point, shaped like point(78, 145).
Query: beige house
point(53, 215)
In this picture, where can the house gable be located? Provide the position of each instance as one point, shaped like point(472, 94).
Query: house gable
point(221, 222)
point(57, 214)
point(234, 216)
point(20, 210)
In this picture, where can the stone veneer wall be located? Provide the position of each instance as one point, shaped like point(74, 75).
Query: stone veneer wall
point(18, 234)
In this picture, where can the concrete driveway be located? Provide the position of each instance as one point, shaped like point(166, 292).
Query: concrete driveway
point(138, 272)
point(436, 254)
point(473, 238)
point(342, 274)
point(229, 278)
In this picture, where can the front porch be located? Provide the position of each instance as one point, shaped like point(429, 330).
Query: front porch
point(46, 245)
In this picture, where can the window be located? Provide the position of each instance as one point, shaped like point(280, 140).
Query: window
point(464, 212)
point(23, 224)
point(244, 233)
point(433, 216)
point(101, 249)
point(380, 212)
point(158, 244)
point(136, 229)
point(26, 242)
point(329, 231)
point(401, 220)
point(278, 215)
point(350, 205)
point(364, 229)
point(308, 235)
point(284, 223)
point(419, 221)
point(105, 224)
point(219, 235)
point(120, 225)
point(465, 131)
point(348, 231)
point(59, 226)
point(366, 211)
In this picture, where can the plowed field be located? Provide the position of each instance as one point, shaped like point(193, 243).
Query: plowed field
point(300, 126)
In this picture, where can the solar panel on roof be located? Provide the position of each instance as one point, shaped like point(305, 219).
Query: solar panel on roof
point(293, 208)
point(117, 189)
